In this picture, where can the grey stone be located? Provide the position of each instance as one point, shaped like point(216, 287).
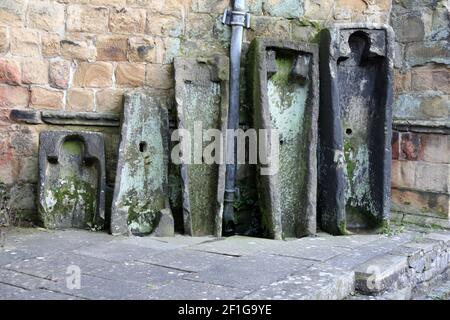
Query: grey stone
point(311, 251)
point(137, 272)
point(118, 251)
point(201, 89)
point(380, 274)
point(192, 290)
point(445, 238)
point(232, 272)
point(321, 282)
point(285, 8)
point(72, 179)
point(166, 224)
point(100, 119)
point(141, 190)
point(187, 260)
point(238, 246)
point(409, 27)
point(420, 53)
point(355, 142)
point(284, 83)
point(25, 116)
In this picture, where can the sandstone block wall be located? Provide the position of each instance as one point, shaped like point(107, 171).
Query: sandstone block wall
point(82, 55)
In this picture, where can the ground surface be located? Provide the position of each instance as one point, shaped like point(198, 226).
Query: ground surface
point(41, 264)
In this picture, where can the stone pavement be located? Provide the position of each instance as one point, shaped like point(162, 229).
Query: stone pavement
point(42, 264)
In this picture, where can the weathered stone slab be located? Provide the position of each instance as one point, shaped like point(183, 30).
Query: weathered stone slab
point(355, 127)
point(118, 251)
point(202, 103)
point(284, 79)
point(71, 179)
point(187, 260)
point(319, 282)
point(240, 272)
point(380, 274)
point(140, 191)
point(238, 246)
point(192, 290)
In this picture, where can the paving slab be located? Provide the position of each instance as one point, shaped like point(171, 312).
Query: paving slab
point(238, 245)
point(97, 288)
point(47, 242)
point(137, 272)
point(118, 251)
point(22, 280)
point(183, 289)
point(311, 250)
point(55, 267)
point(250, 272)
point(188, 260)
point(379, 274)
point(319, 282)
point(8, 256)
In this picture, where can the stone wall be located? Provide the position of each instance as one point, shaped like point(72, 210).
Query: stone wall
point(81, 55)
point(421, 142)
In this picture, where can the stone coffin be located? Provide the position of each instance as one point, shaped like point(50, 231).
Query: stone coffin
point(202, 102)
point(141, 194)
point(284, 82)
point(71, 180)
point(355, 127)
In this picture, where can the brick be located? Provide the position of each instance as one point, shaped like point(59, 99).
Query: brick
point(421, 203)
point(87, 18)
point(435, 148)
point(112, 48)
point(403, 174)
point(432, 177)
point(410, 147)
point(402, 81)
point(395, 145)
point(165, 26)
point(42, 98)
point(59, 74)
point(145, 49)
point(10, 71)
point(78, 49)
point(50, 44)
point(130, 74)
point(96, 75)
point(4, 40)
point(13, 96)
point(35, 71)
point(80, 100)
point(159, 76)
point(25, 42)
point(109, 100)
point(127, 20)
point(12, 12)
point(45, 15)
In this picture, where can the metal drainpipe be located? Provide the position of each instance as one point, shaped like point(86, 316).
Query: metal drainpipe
point(238, 18)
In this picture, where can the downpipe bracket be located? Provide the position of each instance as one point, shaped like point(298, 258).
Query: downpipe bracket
point(236, 18)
